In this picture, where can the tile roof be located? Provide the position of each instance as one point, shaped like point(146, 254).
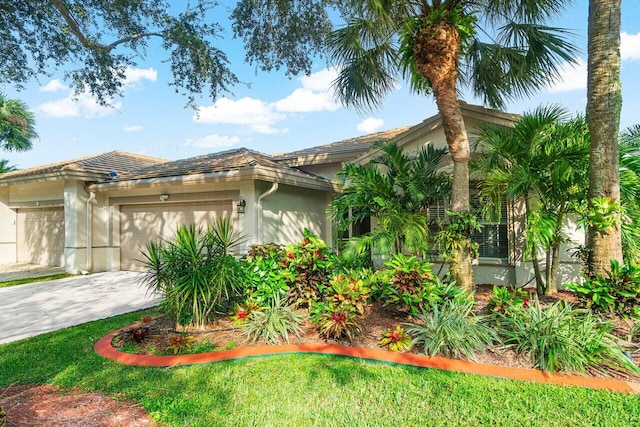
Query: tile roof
point(361, 143)
point(223, 161)
point(99, 164)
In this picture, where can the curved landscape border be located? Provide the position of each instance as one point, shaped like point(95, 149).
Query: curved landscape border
point(104, 348)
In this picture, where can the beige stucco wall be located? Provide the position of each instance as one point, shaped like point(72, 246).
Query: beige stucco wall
point(327, 170)
point(7, 228)
point(290, 209)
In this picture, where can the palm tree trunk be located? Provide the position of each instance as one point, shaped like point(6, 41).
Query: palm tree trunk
point(604, 100)
point(437, 51)
point(540, 284)
point(554, 250)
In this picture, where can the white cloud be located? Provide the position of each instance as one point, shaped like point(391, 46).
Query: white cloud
point(135, 75)
point(133, 128)
point(262, 117)
point(370, 125)
point(572, 77)
point(315, 95)
point(629, 46)
point(254, 113)
point(53, 86)
point(84, 105)
point(306, 101)
point(213, 141)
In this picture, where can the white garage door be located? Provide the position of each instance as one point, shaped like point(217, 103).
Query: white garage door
point(140, 224)
point(41, 236)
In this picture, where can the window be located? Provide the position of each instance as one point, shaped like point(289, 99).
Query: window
point(493, 239)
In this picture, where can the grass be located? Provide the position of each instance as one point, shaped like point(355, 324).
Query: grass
point(33, 280)
point(292, 390)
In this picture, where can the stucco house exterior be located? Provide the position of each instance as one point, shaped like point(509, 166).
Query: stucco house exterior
point(95, 213)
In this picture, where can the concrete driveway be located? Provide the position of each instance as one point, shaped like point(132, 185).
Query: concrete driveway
point(36, 308)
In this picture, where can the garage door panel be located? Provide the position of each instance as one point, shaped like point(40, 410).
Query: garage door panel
point(140, 224)
point(40, 236)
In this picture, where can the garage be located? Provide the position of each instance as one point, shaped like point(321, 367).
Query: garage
point(40, 236)
point(140, 224)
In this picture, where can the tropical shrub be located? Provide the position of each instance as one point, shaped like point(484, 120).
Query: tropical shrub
point(308, 268)
point(409, 284)
point(451, 328)
point(346, 291)
point(264, 267)
point(195, 270)
point(339, 323)
point(243, 312)
point(273, 324)
point(396, 339)
point(618, 292)
point(180, 343)
point(560, 338)
point(505, 299)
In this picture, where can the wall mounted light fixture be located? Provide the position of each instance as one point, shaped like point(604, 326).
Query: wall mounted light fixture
point(164, 197)
point(242, 203)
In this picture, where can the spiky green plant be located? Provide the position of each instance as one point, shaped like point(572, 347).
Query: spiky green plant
point(560, 338)
point(451, 328)
point(274, 323)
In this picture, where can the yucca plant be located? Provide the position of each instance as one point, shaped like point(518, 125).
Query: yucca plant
point(195, 270)
point(560, 338)
point(451, 328)
point(274, 323)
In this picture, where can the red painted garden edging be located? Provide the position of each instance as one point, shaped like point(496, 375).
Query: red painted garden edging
point(104, 348)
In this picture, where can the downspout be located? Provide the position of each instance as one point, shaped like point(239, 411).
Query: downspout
point(89, 211)
point(273, 189)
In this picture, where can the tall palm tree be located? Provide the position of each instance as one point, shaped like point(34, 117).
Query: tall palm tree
point(604, 101)
point(543, 161)
point(438, 45)
point(395, 188)
point(17, 125)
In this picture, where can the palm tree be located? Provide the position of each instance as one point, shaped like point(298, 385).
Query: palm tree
point(440, 44)
point(543, 161)
point(395, 188)
point(604, 101)
point(5, 166)
point(17, 125)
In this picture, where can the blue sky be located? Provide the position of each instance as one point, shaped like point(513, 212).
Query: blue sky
point(274, 113)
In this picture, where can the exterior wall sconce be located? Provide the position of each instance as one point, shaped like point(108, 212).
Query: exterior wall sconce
point(164, 197)
point(242, 203)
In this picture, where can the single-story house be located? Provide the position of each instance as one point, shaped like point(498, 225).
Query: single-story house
point(95, 213)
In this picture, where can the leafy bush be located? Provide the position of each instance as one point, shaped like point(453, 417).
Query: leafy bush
point(505, 299)
point(452, 329)
point(345, 291)
point(618, 292)
point(308, 269)
point(339, 323)
point(195, 270)
point(396, 339)
point(410, 285)
point(273, 324)
point(264, 266)
point(559, 338)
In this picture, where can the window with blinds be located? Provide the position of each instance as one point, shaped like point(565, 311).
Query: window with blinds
point(493, 239)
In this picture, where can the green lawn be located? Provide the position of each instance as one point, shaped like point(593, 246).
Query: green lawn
point(34, 280)
point(301, 390)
